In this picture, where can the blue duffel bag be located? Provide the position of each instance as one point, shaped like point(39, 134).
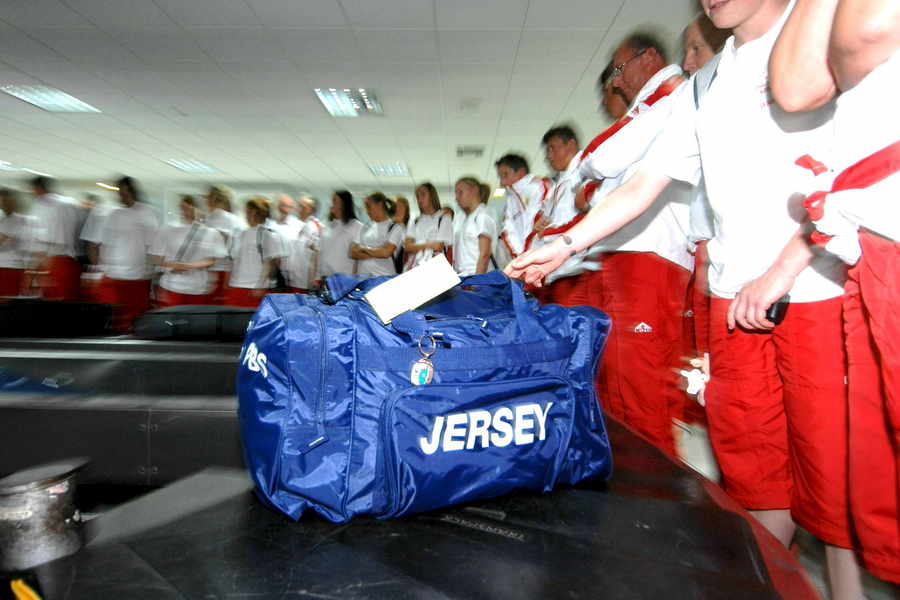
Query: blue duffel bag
point(475, 394)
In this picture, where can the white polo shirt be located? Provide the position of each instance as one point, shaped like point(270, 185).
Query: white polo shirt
point(524, 199)
point(748, 146)
point(334, 245)
point(302, 252)
point(466, 249)
point(58, 222)
point(194, 243)
point(287, 229)
point(125, 241)
point(436, 227)
point(228, 225)
point(16, 229)
point(662, 229)
point(375, 235)
point(248, 250)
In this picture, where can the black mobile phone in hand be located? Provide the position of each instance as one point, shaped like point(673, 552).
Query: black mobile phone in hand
point(775, 313)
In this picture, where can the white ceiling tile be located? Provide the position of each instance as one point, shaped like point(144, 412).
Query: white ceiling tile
point(544, 47)
point(390, 14)
point(161, 47)
point(122, 15)
point(307, 14)
point(478, 46)
point(323, 45)
point(407, 46)
point(249, 46)
point(577, 14)
point(221, 13)
point(477, 14)
point(40, 13)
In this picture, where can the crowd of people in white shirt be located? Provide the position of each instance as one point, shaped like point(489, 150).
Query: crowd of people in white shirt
point(683, 220)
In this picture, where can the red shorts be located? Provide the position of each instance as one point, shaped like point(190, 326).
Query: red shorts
point(246, 297)
point(11, 282)
point(872, 328)
point(129, 297)
point(637, 381)
point(165, 298)
point(63, 278)
point(218, 280)
point(777, 410)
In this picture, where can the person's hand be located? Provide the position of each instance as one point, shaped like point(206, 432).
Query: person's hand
point(258, 292)
point(179, 266)
point(533, 266)
point(748, 309)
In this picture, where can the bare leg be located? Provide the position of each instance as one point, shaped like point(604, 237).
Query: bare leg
point(843, 574)
point(778, 522)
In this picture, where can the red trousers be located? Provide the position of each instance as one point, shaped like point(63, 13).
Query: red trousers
point(776, 405)
point(872, 329)
point(247, 297)
point(63, 279)
point(644, 295)
point(129, 297)
point(11, 282)
point(166, 298)
point(698, 299)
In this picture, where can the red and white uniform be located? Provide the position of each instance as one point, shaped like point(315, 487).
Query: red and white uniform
point(187, 243)
point(643, 275)
point(57, 220)
point(249, 250)
point(300, 264)
point(466, 250)
point(334, 255)
point(524, 200)
point(376, 235)
point(288, 229)
point(859, 219)
point(15, 231)
point(776, 401)
point(228, 225)
point(436, 227)
point(125, 241)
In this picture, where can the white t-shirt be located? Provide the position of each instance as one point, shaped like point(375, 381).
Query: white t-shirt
point(375, 235)
point(125, 241)
point(524, 199)
point(228, 225)
point(663, 228)
point(288, 229)
point(58, 221)
point(17, 229)
point(302, 253)
point(436, 227)
point(334, 256)
point(248, 251)
point(466, 250)
point(748, 147)
point(204, 243)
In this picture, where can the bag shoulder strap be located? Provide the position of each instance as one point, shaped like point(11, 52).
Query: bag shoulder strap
point(703, 79)
point(195, 227)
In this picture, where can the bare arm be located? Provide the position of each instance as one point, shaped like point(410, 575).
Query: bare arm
point(484, 254)
point(411, 247)
point(358, 252)
point(799, 73)
point(620, 207)
point(865, 34)
point(748, 309)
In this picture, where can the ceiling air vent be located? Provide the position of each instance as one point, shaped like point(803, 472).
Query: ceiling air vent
point(469, 151)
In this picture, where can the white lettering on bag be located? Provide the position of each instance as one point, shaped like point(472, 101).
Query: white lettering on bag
point(458, 431)
point(256, 361)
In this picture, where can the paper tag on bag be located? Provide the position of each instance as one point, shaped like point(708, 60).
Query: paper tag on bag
point(412, 289)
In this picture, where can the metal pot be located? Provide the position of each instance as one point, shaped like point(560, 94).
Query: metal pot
point(38, 518)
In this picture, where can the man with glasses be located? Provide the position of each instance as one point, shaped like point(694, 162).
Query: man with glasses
point(645, 266)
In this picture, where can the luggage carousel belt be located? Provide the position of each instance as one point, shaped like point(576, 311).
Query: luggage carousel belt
point(656, 529)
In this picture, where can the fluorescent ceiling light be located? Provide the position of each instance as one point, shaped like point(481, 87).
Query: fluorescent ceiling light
point(33, 172)
point(347, 102)
point(48, 98)
point(107, 186)
point(189, 166)
point(390, 170)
